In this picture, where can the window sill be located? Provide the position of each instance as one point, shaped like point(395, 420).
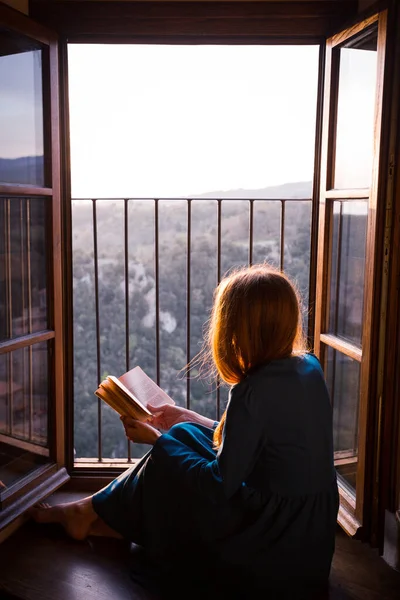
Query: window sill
point(40, 487)
point(346, 517)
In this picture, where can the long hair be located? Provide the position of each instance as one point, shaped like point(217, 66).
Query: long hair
point(256, 318)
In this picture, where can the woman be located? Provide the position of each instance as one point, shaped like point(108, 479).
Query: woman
point(248, 504)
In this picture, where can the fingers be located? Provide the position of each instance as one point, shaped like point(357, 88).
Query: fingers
point(128, 421)
point(140, 432)
point(157, 410)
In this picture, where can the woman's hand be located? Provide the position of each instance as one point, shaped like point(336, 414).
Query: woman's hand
point(167, 415)
point(141, 433)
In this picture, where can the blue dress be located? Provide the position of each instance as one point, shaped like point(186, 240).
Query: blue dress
point(259, 514)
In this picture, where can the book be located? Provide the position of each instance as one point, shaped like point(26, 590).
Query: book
point(130, 394)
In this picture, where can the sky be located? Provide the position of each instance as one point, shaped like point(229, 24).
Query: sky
point(355, 119)
point(171, 121)
point(21, 116)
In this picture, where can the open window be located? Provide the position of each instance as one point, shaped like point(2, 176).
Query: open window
point(31, 346)
point(32, 349)
point(346, 272)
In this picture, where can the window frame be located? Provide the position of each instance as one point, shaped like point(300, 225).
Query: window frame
point(354, 508)
point(45, 479)
point(89, 470)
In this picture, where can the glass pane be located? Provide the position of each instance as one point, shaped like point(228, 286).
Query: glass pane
point(16, 463)
point(21, 110)
point(24, 380)
point(297, 247)
point(349, 233)
point(343, 380)
point(356, 112)
point(23, 266)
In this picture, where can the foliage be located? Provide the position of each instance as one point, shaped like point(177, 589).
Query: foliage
point(140, 343)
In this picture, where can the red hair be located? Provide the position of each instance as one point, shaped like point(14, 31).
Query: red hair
point(256, 318)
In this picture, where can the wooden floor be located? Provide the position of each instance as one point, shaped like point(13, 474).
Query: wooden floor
point(41, 563)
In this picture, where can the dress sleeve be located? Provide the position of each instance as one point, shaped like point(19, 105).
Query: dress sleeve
point(243, 439)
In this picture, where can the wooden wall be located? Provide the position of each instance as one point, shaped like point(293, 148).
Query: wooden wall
point(82, 20)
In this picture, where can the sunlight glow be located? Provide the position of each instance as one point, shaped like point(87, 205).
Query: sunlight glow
point(170, 121)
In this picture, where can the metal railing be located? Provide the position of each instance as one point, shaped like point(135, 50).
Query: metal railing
point(190, 202)
point(23, 318)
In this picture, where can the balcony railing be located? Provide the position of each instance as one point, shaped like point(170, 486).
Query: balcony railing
point(142, 254)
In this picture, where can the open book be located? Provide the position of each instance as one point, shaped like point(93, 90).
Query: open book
point(130, 394)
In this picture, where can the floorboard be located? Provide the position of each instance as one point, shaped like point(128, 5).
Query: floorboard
point(41, 563)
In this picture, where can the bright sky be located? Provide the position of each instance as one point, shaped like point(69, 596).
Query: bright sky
point(21, 117)
point(169, 121)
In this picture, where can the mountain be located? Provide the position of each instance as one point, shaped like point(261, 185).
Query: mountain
point(302, 189)
point(24, 170)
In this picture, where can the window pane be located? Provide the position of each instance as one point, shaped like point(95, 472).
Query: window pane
point(347, 269)
point(16, 463)
point(343, 380)
point(356, 112)
point(24, 395)
point(23, 266)
point(297, 247)
point(21, 110)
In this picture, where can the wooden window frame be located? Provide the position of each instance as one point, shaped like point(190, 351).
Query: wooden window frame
point(186, 22)
point(63, 17)
point(352, 513)
point(45, 479)
point(86, 471)
point(354, 509)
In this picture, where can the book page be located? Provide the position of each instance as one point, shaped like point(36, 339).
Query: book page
point(123, 408)
point(126, 395)
point(144, 388)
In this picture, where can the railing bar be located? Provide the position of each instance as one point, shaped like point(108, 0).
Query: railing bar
point(126, 273)
point(22, 249)
point(188, 285)
point(29, 269)
point(337, 304)
point(339, 258)
point(22, 260)
point(30, 366)
point(10, 311)
point(4, 257)
point(10, 393)
point(179, 199)
point(96, 288)
point(251, 223)
point(157, 285)
point(333, 382)
point(8, 278)
point(219, 215)
point(282, 258)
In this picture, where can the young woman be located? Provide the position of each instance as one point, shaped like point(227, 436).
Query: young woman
point(248, 504)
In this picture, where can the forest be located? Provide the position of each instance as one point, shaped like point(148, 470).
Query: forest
point(115, 353)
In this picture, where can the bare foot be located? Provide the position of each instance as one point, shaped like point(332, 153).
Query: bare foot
point(101, 529)
point(76, 517)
